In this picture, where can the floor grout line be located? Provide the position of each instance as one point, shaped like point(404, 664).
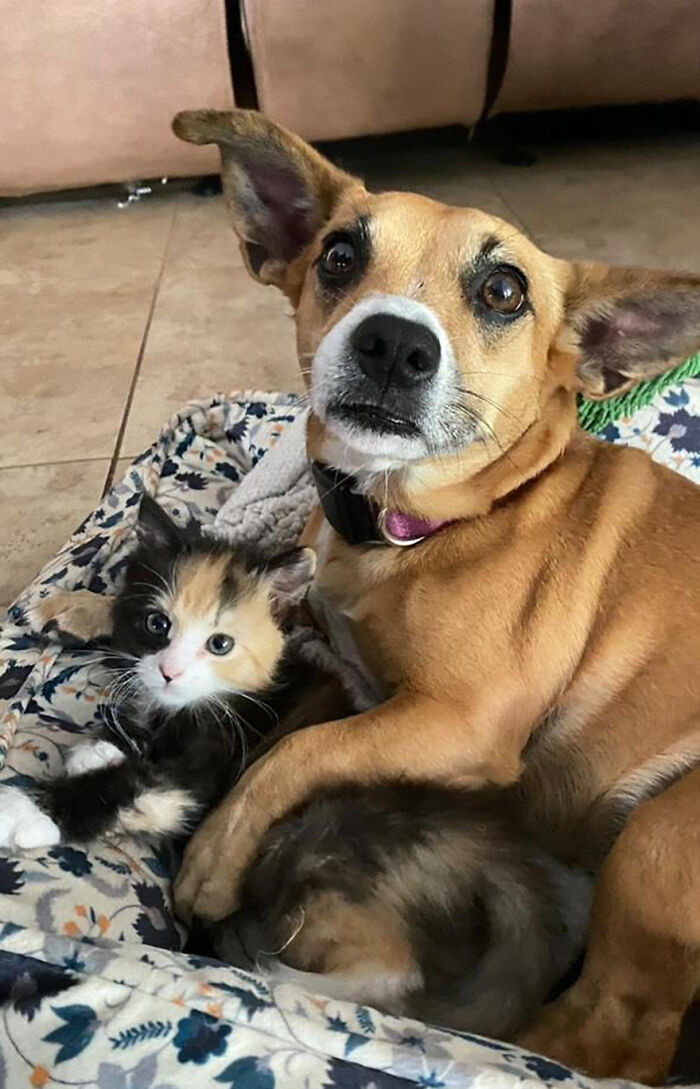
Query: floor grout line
point(490, 172)
point(51, 464)
point(116, 454)
point(519, 221)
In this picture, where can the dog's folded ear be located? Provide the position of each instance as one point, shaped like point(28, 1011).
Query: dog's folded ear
point(627, 325)
point(279, 190)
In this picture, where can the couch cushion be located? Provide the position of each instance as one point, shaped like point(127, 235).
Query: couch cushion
point(600, 52)
point(333, 69)
point(89, 89)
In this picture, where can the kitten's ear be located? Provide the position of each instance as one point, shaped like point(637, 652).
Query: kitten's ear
point(156, 528)
point(290, 576)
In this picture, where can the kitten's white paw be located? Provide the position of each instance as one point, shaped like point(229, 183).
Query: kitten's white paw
point(23, 825)
point(92, 755)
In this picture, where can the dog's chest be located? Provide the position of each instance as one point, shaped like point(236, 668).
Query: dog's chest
point(341, 575)
point(344, 598)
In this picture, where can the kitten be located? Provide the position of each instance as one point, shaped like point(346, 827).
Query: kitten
point(198, 638)
point(428, 902)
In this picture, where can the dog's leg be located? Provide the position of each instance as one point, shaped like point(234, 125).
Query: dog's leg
point(642, 970)
point(80, 614)
point(407, 732)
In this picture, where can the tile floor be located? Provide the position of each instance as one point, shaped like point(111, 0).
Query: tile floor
point(112, 317)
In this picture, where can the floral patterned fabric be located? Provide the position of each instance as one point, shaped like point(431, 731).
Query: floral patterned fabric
point(668, 429)
point(125, 1018)
point(93, 988)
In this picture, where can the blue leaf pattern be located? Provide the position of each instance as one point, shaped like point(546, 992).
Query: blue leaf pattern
point(364, 1019)
point(137, 1034)
point(668, 429)
point(71, 860)
point(75, 1034)
point(12, 877)
point(248, 1073)
point(344, 1075)
point(250, 1002)
point(677, 397)
point(26, 981)
point(200, 1036)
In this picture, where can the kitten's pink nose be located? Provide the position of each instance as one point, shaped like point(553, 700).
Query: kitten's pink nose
point(169, 673)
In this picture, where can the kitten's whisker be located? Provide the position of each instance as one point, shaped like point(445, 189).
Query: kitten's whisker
point(161, 577)
point(261, 704)
point(249, 726)
point(234, 716)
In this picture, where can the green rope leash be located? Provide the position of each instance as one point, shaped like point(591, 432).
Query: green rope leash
point(595, 416)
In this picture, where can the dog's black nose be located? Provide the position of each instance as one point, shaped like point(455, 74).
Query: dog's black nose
point(393, 351)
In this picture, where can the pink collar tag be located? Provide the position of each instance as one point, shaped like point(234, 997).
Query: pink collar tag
point(404, 530)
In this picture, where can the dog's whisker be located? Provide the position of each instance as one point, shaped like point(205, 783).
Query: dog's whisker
point(487, 400)
point(528, 375)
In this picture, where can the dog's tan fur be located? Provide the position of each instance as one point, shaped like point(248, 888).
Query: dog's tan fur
point(79, 613)
point(551, 636)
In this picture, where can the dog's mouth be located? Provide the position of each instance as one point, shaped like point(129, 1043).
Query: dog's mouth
point(373, 418)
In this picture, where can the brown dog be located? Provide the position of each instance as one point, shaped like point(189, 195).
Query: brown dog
point(548, 631)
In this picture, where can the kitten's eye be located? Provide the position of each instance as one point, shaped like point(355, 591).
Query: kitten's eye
point(156, 623)
point(503, 291)
point(219, 643)
point(338, 259)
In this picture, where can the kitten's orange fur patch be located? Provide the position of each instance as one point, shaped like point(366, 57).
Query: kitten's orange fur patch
point(198, 599)
point(198, 587)
point(252, 625)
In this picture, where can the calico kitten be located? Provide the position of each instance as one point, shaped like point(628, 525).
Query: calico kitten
point(198, 645)
point(428, 902)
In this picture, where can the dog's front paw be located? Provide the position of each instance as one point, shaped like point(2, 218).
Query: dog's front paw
point(78, 614)
point(607, 1035)
point(206, 884)
point(216, 858)
point(23, 825)
point(218, 855)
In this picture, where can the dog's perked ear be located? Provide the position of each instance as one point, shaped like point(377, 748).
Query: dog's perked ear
point(156, 529)
point(290, 576)
point(627, 325)
point(278, 189)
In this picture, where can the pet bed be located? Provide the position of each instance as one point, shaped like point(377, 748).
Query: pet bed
point(94, 987)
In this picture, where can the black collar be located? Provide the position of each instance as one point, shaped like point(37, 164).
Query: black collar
point(350, 513)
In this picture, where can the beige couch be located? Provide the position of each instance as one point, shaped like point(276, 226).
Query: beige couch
point(88, 87)
point(334, 68)
point(567, 53)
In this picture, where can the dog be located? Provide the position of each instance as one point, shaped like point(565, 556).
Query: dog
point(528, 595)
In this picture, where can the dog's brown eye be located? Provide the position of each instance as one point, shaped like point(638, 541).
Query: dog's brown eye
point(339, 258)
point(503, 292)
